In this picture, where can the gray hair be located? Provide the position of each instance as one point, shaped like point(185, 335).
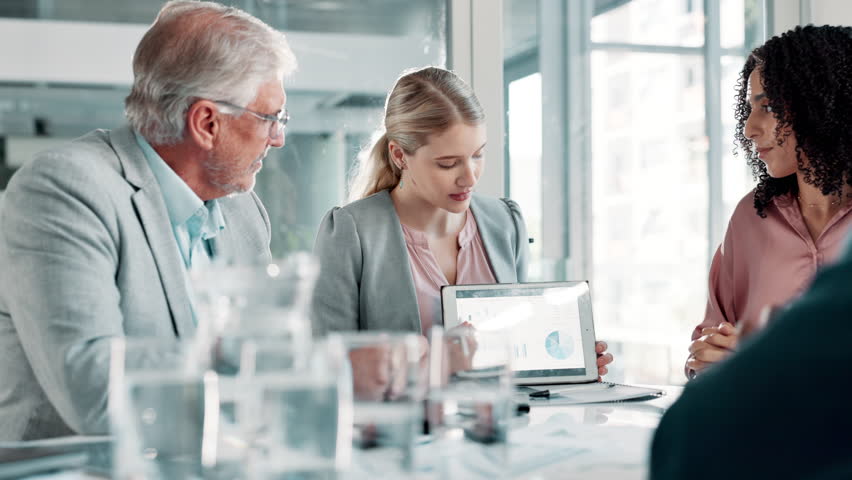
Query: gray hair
point(423, 102)
point(199, 50)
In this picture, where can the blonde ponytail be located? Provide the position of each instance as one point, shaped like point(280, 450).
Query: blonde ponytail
point(374, 171)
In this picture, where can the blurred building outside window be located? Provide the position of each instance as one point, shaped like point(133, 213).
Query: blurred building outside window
point(659, 196)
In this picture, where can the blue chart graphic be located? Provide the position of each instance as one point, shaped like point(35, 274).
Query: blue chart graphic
point(559, 345)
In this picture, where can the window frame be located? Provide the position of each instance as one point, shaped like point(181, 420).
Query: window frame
point(565, 32)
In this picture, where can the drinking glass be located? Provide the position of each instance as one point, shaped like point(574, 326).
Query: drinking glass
point(260, 299)
point(297, 420)
point(164, 410)
point(469, 404)
point(239, 302)
point(388, 375)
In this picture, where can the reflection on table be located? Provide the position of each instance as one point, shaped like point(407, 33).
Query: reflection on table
point(610, 440)
point(560, 441)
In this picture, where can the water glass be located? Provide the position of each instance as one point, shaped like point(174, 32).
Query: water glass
point(164, 410)
point(261, 299)
point(297, 421)
point(388, 375)
point(239, 302)
point(469, 405)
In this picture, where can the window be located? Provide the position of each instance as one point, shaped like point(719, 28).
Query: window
point(659, 252)
point(524, 126)
point(642, 150)
point(648, 22)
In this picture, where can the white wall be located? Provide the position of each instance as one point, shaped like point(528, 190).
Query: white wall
point(98, 56)
point(789, 13)
point(21, 149)
point(476, 55)
point(831, 12)
point(96, 53)
point(786, 15)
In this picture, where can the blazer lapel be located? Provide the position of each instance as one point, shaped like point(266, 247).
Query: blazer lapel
point(497, 243)
point(399, 280)
point(236, 244)
point(151, 209)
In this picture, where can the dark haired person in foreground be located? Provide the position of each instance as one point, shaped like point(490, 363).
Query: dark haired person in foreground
point(780, 407)
point(795, 129)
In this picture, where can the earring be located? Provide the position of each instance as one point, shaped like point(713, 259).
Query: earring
point(399, 185)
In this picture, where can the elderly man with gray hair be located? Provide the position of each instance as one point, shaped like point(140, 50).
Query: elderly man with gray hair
point(99, 235)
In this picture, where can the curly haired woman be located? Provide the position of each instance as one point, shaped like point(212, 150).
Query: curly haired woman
point(795, 129)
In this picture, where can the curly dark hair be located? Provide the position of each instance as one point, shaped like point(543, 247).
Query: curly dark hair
point(807, 76)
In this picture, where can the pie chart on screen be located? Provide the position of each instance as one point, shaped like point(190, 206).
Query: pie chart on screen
point(559, 345)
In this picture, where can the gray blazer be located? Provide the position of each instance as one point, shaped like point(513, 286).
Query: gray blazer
point(365, 280)
point(88, 254)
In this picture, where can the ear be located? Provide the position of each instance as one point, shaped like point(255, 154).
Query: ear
point(203, 124)
point(397, 156)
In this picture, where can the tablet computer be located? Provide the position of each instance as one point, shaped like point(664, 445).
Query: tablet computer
point(550, 324)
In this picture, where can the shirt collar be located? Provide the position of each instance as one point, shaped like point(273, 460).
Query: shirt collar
point(468, 231)
point(181, 202)
point(420, 239)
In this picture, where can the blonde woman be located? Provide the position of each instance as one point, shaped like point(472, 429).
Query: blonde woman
point(414, 222)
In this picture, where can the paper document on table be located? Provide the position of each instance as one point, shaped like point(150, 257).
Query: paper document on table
point(560, 445)
point(544, 445)
point(542, 448)
point(598, 392)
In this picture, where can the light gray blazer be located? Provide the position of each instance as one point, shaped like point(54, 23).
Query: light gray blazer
point(365, 280)
point(88, 254)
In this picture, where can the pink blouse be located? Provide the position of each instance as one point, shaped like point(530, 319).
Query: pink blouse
point(471, 267)
point(767, 261)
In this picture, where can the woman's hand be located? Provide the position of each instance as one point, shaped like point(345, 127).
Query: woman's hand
point(714, 345)
point(462, 347)
point(604, 358)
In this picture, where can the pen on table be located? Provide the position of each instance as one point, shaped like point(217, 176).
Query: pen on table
point(540, 394)
point(548, 393)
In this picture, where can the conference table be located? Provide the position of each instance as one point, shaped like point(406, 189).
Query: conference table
point(601, 440)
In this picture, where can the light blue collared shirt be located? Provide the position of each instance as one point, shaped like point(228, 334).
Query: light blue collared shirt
point(193, 221)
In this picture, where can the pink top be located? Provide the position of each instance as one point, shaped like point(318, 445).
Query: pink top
point(471, 267)
point(767, 261)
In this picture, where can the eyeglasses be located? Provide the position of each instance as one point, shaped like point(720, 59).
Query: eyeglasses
point(278, 122)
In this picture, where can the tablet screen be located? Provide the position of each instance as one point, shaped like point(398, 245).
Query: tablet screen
point(543, 320)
